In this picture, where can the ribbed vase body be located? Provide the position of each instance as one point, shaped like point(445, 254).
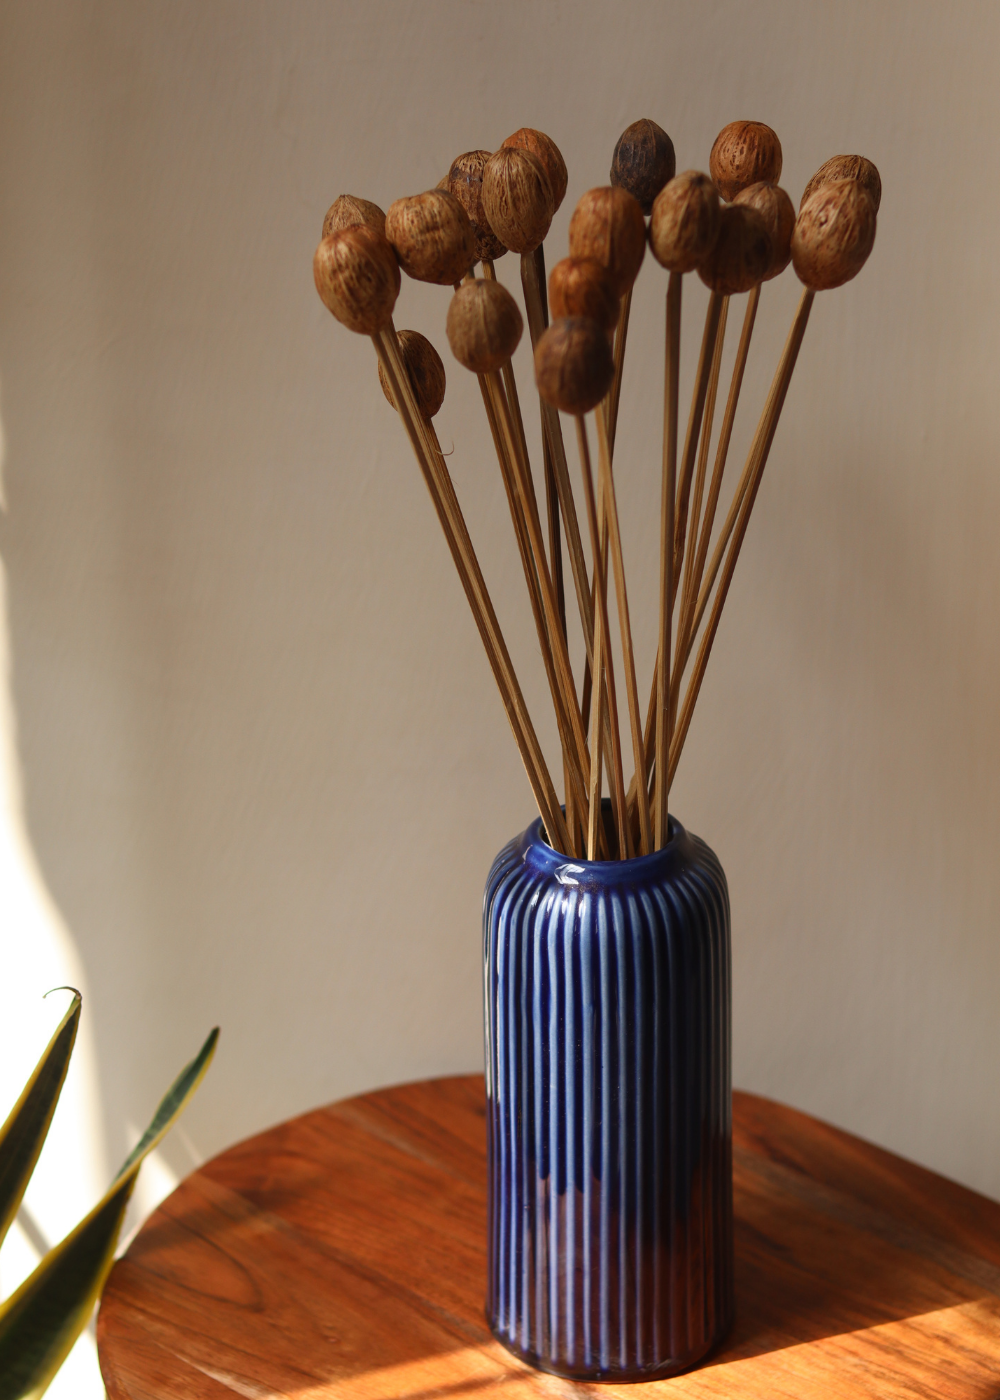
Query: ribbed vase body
point(607, 997)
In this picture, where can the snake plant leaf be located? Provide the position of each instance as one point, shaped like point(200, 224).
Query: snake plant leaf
point(172, 1102)
point(41, 1321)
point(23, 1135)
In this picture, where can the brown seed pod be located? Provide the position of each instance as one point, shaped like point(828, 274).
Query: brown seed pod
point(574, 365)
point(433, 237)
point(607, 225)
point(643, 161)
point(542, 146)
point(847, 168)
point(426, 371)
point(685, 221)
point(742, 253)
point(517, 197)
point(357, 277)
point(833, 234)
point(581, 287)
point(484, 325)
point(347, 209)
point(778, 213)
point(465, 181)
point(744, 154)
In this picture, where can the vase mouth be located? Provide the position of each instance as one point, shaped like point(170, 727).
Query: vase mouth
point(589, 874)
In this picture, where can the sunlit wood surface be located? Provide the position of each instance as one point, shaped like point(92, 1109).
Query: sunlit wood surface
point(343, 1254)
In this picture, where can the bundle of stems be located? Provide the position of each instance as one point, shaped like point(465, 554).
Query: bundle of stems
point(738, 229)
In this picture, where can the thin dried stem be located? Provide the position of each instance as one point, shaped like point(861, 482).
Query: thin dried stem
point(686, 470)
point(577, 751)
point(508, 474)
point(703, 448)
point(532, 275)
point(510, 388)
point(661, 676)
point(689, 622)
point(552, 434)
point(756, 462)
point(438, 481)
point(614, 536)
point(615, 392)
point(604, 670)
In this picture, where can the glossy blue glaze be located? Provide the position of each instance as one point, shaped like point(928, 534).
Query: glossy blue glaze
point(607, 998)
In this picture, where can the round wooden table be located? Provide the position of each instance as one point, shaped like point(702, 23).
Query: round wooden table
point(343, 1254)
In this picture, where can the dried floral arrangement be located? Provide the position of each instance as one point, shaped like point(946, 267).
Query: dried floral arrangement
point(737, 228)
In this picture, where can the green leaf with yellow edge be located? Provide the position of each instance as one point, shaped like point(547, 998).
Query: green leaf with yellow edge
point(41, 1321)
point(23, 1135)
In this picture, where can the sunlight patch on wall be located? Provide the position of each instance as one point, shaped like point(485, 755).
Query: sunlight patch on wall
point(37, 954)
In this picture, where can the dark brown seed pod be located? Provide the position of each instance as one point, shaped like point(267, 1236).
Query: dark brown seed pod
point(581, 287)
point(833, 234)
point(607, 225)
point(433, 237)
point(847, 168)
point(484, 325)
point(517, 197)
point(742, 253)
point(778, 213)
point(542, 146)
point(684, 223)
point(643, 161)
point(465, 181)
point(348, 209)
point(574, 365)
point(744, 154)
point(426, 371)
point(357, 277)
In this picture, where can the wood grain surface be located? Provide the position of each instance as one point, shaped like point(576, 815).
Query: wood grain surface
point(343, 1254)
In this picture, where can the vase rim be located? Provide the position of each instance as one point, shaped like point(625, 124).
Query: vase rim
point(588, 874)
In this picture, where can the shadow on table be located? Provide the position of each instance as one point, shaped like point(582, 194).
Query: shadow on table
point(350, 1244)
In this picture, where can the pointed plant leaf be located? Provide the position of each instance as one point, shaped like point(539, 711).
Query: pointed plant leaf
point(23, 1135)
point(173, 1101)
point(41, 1321)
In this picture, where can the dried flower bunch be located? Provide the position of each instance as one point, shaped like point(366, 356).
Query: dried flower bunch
point(737, 228)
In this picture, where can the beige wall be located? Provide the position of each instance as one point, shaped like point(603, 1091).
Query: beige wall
point(264, 767)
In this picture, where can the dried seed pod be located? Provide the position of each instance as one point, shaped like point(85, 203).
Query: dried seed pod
point(607, 225)
point(484, 325)
point(444, 183)
point(433, 237)
point(742, 253)
point(685, 221)
point(744, 154)
point(465, 181)
point(357, 277)
point(581, 287)
point(847, 168)
point(348, 209)
point(426, 371)
point(778, 213)
point(542, 146)
point(574, 365)
point(517, 197)
point(833, 234)
point(643, 161)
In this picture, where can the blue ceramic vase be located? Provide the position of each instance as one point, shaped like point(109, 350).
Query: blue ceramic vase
point(607, 991)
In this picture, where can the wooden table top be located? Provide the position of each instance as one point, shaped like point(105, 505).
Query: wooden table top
point(343, 1254)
